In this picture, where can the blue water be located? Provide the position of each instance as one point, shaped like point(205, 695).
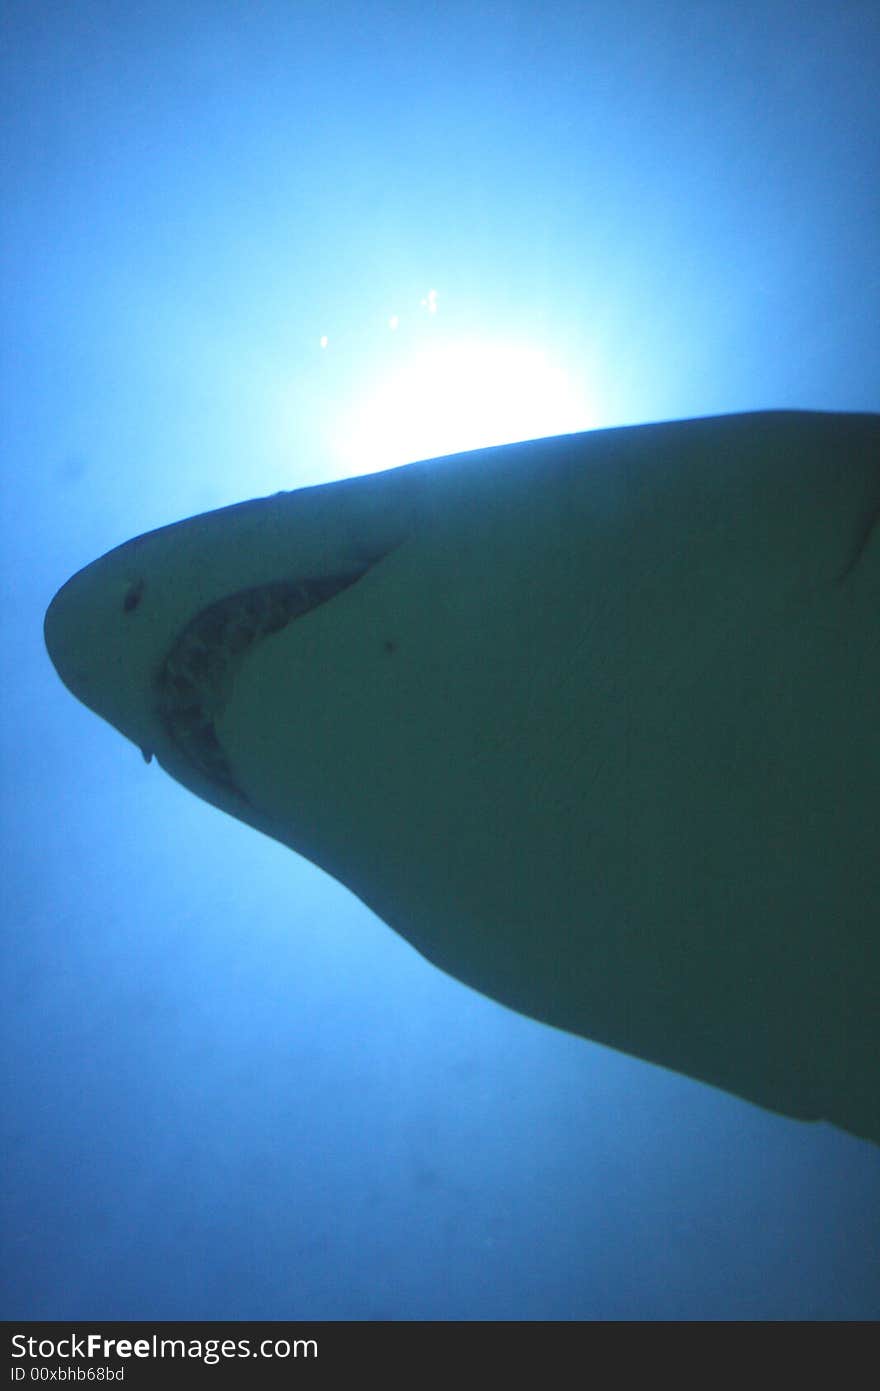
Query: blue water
point(231, 1092)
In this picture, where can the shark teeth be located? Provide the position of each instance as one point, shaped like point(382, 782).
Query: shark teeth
point(195, 679)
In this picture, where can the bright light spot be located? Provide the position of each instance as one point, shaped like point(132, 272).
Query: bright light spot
point(324, 340)
point(394, 322)
point(430, 302)
point(457, 396)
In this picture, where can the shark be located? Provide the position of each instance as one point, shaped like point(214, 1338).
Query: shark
point(592, 721)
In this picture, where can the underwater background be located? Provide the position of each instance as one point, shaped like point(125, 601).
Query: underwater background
point(251, 246)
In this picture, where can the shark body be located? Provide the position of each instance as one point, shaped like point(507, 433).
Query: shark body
point(591, 721)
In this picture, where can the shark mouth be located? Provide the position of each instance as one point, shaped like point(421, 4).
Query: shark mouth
point(195, 679)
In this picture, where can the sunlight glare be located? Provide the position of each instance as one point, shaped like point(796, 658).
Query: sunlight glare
point(457, 396)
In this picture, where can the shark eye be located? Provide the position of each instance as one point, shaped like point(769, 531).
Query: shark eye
point(133, 596)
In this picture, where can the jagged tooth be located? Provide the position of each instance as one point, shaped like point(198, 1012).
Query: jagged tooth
point(193, 683)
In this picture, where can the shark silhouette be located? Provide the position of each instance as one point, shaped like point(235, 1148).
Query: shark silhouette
point(592, 721)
